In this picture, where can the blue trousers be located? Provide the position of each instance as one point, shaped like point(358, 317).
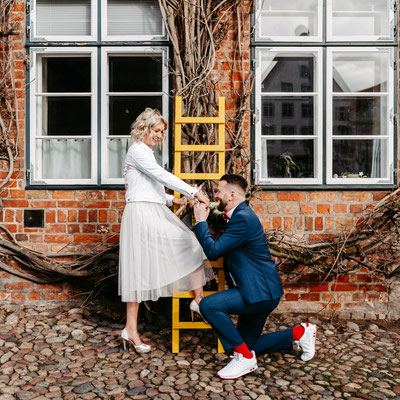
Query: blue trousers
point(251, 319)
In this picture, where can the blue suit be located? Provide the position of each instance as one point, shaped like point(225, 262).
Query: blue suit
point(255, 286)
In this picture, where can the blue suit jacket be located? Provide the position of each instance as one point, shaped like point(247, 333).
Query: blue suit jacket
point(246, 255)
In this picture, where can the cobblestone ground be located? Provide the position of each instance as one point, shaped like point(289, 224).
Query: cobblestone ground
point(64, 353)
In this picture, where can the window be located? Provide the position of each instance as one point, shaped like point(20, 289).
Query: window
point(334, 103)
point(84, 99)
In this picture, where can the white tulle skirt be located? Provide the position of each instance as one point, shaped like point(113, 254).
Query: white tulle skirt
point(159, 255)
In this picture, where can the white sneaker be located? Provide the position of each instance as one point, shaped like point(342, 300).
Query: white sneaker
point(238, 367)
point(307, 341)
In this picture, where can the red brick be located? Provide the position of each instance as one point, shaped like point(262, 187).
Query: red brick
point(36, 238)
point(15, 203)
point(70, 204)
point(287, 223)
point(72, 215)
point(309, 223)
point(377, 196)
point(103, 215)
point(112, 216)
point(361, 278)
point(87, 238)
point(17, 194)
point(37, 194)
point(50, 216)
point(5, 295)
point(319, 223)
point(43, 204)
point(323, 208)
point(56, 228)
point(97, 204)
point(48, 296)
point(322, 287)
point(110, 195)
point(340, 208)
point(290, 208)
point(306, 209)
point(88, 229)
point(57, 238)
point(310, 296)
point(379, 288)
point(277, 222)
point(18, 285)
point(342, 278)
point(344, 288)
point(355, 196)
point(61, 216)
point(62, 194)
point(335, 306)
point(12, 227)
point(291, 196)
point(63, 296)
point(292, 297)
point(50, 287)
point(73, 228)
point(82, 216)
point(93, 216)
point(258, 208)
point(18, 296)
point(356, 208)
point(323, 196)
point(34, 296)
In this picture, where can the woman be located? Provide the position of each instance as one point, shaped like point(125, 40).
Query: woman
point(159, 255)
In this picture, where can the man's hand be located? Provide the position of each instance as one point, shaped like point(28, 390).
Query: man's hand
point(202, 197)
point(201, 212)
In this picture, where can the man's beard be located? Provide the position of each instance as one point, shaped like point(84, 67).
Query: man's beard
point(221, 205)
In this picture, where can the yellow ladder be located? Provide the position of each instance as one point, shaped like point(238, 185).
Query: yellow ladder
point(179, 148)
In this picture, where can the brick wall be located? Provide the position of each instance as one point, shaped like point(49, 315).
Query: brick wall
point(83, 220)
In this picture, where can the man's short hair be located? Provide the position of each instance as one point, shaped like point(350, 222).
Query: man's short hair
point(236, 180)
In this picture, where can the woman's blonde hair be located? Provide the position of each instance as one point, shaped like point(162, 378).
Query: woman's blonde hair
point(145, 121)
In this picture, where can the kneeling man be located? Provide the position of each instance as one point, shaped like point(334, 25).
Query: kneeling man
point(254, 284)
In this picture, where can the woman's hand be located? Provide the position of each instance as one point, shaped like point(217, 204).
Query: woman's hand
point(202, 198)
point(179, 201)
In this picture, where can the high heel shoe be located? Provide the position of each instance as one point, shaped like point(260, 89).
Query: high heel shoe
point(194, 307)
point(139, 348)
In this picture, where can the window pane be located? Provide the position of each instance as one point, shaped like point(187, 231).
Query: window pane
point(135, 74)
point(288, 158)
point(359, 116)
point(289, 18)
point(357, 158)
point(117, 148)
point(63, 17)
point(361, 17)
point(132, 17)
point(124, 110)
point(64, 158)
point(283, 73)
point(66, 74)
point(360, 72)
point(69, 116)
point(291, 116)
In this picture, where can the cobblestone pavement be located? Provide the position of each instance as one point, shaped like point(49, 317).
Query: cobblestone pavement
point(64, 353)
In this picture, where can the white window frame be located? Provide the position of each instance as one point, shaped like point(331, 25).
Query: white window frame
point(126, 51)
point(36, 65)
point(318, 94)
point(123, 38)
point(389, 118)
point(358, 38)
point(302, 39)
point(60, 38)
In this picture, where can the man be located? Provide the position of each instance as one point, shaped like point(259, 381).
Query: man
point(254, 284)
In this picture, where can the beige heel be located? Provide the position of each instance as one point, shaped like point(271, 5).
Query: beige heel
point(140, 348)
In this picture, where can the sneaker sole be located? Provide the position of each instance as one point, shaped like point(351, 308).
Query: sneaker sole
point(315, 344)
point(239, 376)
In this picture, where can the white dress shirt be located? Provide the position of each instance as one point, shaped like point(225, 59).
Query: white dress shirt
point(145, 180)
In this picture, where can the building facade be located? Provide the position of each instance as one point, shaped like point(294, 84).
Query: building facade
point(321, 126)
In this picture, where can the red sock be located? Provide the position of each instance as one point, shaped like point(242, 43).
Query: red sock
point(298, 332)
point(243, 349)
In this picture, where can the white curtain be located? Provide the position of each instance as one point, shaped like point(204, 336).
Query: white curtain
point(65, 158)
point(129, 17)
point(63, 17)
point(376, 168)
